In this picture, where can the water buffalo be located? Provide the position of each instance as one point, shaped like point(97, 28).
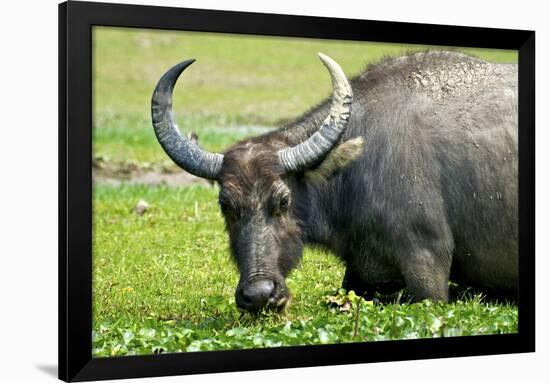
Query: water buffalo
point(408, 173)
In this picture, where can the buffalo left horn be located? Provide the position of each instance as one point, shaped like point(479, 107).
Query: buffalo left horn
point(184, 152)
point(310, 152)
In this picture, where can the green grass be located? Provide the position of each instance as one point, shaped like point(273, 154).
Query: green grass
point(237, 81)
point(164, 282)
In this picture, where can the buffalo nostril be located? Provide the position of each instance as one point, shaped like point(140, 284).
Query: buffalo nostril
point(246, 298)
point(256, 294)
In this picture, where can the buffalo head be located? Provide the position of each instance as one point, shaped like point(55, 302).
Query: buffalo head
point(263, 185)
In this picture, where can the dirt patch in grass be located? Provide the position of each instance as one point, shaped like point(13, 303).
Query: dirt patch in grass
point(150, 178)
point(114, 174)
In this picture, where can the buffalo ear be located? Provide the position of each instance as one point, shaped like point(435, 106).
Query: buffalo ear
point(337, 159)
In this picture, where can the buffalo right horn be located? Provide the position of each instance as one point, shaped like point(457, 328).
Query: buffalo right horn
point(184, 152)
point(310, 152)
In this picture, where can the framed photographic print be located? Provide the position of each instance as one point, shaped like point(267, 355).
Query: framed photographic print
point(247, 191)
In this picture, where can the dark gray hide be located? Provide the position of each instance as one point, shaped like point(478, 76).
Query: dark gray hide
point(431, 197)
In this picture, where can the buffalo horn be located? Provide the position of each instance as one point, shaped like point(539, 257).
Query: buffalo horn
point(310, 152)
point(184, 152)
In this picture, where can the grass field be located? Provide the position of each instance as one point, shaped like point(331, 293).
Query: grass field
point(164, 281)
point(237, 81)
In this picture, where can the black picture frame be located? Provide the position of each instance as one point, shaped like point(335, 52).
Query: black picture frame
point(75, 189)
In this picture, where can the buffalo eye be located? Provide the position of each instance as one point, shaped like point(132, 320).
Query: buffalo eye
point(228, 207)
point(281, 204)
